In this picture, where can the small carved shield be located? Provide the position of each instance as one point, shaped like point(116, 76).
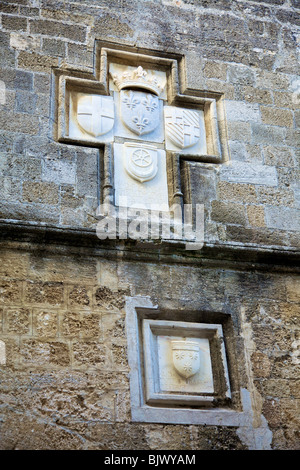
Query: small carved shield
point(141, 161)
point(182, 126)
point(139, 111)
point(186, 358)
point(95, 114)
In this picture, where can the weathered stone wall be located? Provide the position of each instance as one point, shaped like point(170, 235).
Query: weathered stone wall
point(64, 378)
point(65, 382)
point(245, 49)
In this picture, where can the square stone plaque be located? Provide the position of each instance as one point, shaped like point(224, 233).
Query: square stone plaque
point(158, 396)
point(178, 362)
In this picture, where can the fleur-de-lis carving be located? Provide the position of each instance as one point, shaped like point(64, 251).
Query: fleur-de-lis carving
point(140, 122)
point(150, 103)
point(131, 101)
point(140, 72)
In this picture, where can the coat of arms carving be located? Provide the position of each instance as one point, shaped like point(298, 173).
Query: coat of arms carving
point(141, 161)
point(182, 126)
point(139, 111)
point(186, 357)
point(95, 114)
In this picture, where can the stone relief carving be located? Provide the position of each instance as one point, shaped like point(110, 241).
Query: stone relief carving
point(132, 97)
point(186, 358)
point(141, 161)
point(95, 114)
point(132, 78)
point(184, 362)
point(182, 127)
point(139, 111)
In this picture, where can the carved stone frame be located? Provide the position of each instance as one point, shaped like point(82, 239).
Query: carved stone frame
point(141, 411)
point(211, 332)
point(178, 94)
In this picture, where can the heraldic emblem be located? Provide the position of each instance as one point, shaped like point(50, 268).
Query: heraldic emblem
point(139, 111)
point(95, 114)
point(141, 161)
point(186, 357)
point(182, 126)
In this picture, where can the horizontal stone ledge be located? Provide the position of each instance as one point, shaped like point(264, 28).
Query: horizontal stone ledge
point(217, 254)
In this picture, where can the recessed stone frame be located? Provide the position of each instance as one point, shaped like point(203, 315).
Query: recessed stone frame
point(68, 81)
point(224, 406)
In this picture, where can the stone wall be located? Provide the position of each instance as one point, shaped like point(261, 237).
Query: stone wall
point(65, 384)
point(245, 49)
point(64, 372)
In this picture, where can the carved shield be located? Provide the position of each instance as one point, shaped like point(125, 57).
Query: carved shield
point(95, 114)
point(139, 111)
point(186, 358)
point(182, 126)
point(141, 161)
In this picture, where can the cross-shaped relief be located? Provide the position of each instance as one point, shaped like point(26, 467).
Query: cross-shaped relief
point(138, 108)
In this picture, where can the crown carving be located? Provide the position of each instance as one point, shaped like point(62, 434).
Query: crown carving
point(138, 78)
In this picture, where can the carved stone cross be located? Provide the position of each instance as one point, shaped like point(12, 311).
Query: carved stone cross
point(137, 107)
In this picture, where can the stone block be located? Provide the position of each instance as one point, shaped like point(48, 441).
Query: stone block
point(240, 131)
point(30, 11)
point(54, 47)
point(293, 289)
point(277, 117)
point(215, 70)
point(7, 57)
point(220, 87)
point(51, 293)
point(58, 170)
point(256, 216)
point(228, 213)
point(42, 83)
point(257, 95)
point(45, 323)
point(241, 111)
point(272, 80)
point(44, 353)
point(23, 80)
point(36, 62)
point(79, 296)
point(45, 193)
point(87, 172)
point(70, 324)
point(275, 197)
point(238, 172)
point(283, 218)
point(29, 212)
point(26, 102)
point(10, 291)
point(28, 124)
point(90, 325)
point(18, 321)
point(108, 299)
point(14, 23)
point(89, 353)
point(237, 150)
point(261, 364)
point(58, 29)
point(236, 192)
point(241, 75)
point(82, 55)
point(266, 134)
point(24, 41)
point(279, 156)
point(10, 189)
